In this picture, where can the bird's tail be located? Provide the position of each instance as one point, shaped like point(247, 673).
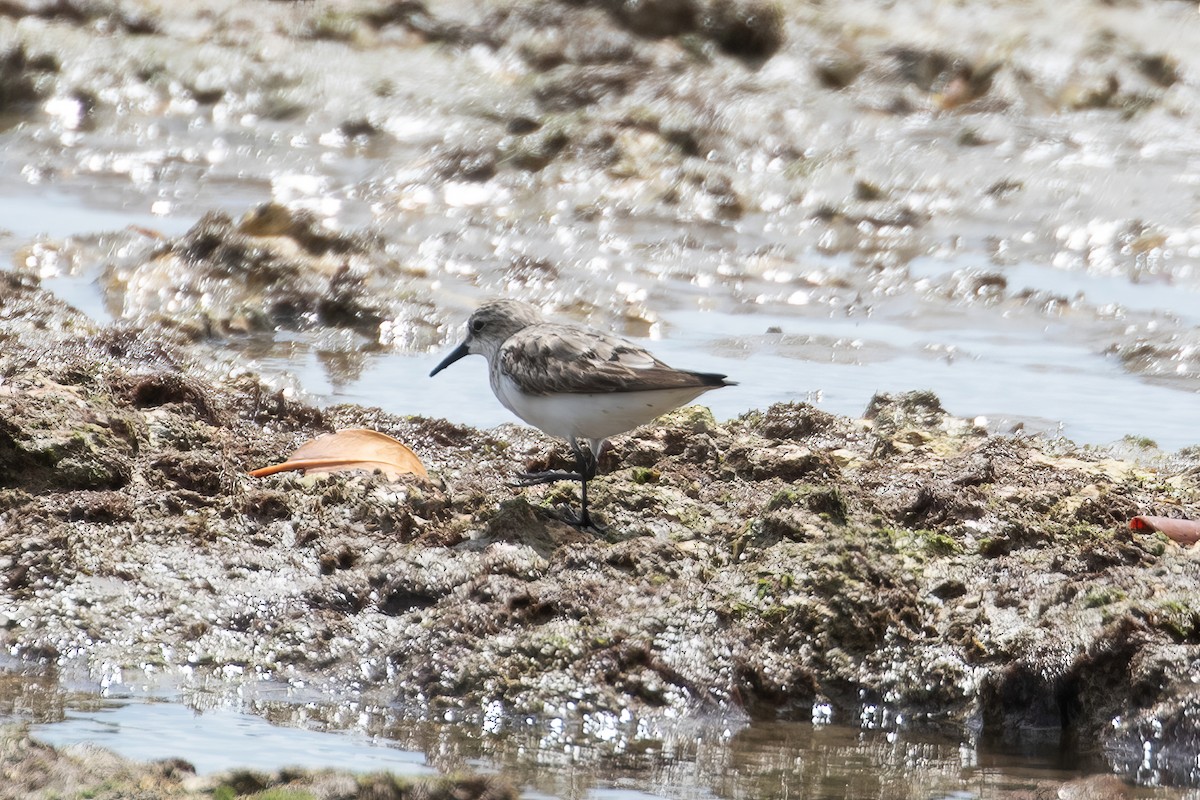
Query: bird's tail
point(714, 379)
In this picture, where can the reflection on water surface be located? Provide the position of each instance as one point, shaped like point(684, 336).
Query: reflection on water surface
point(617, 759)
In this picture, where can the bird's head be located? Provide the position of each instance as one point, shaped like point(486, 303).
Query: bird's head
point(490, 327)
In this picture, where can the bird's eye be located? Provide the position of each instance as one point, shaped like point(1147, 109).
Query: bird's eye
point(476, 325)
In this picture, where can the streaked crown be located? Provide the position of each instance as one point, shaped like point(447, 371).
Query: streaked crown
point(496, 320)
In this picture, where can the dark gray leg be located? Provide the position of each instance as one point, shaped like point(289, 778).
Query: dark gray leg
point(585, 466)
point(585, 463)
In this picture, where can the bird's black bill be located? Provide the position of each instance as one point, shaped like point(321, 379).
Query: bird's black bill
point(455, 355)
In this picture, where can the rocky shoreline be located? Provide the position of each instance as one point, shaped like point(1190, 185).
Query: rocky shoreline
point(906, 569)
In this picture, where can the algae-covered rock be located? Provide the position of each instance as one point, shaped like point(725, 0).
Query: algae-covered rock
point(714, 154)
point(757, 567)
point(276, 266)
point(760, 567)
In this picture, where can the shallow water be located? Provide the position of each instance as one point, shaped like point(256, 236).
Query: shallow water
point(1012, 379)
point(220, 738)
point(1009, 363)
point(546, 759)
point(1013, 372)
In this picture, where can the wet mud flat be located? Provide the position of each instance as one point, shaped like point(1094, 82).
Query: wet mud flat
point(906, 569)
point(356, 177)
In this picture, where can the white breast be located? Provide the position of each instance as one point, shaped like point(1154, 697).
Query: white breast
point(591, 416)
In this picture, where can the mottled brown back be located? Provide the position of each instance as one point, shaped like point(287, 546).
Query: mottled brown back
point(551, 358)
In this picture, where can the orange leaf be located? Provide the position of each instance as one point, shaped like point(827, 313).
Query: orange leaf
point(1183, 531)
point(351, 449)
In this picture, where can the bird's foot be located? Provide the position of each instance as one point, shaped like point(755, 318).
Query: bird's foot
point(551, 476)
point(584, 521)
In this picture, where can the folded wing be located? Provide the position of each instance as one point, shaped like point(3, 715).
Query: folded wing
point(549, 358)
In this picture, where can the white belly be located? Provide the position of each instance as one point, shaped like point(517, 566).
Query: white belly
point(591, 416)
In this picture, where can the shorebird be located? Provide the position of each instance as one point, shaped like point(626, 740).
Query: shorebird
point(574, 383)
